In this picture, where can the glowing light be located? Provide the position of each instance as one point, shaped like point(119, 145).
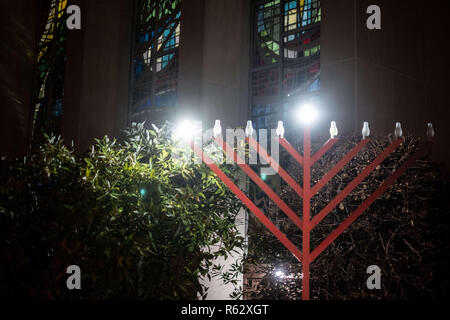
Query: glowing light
point(307, 114)
point(217, 129)
point(184, 131)
point(398, 130)
point(280, 129)
point(365, 131)
point(430, 131)
point(279, 274)
point(249, 129)
point(333, 130)
point(143, 192)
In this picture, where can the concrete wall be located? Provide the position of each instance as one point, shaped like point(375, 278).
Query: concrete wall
point(394, 74)
point(98, 72)
point(191, 58)
point(338, 64)
point(18, 21)
point(226, 62)
point(217, 290)
point(214, 61)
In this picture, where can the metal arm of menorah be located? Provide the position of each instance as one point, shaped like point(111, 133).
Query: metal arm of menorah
point(306, 222)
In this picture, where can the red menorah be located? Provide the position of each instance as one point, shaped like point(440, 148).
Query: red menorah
point(307, 223)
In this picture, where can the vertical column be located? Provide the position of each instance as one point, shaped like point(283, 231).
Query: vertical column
point(190, 72)
point(100, 94)
point(73, 81)
point(18, 33)
point(306, 211)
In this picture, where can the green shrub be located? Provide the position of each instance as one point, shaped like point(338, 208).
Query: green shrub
point(137, 221)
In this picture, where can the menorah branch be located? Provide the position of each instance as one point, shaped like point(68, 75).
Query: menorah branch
point(248, 203)
point(352, 185)
point(259, 182)
point(275, 166)
point(338, 167)
point(306, 211)
point(324, 149)
point(384, 186)
point(291, 150)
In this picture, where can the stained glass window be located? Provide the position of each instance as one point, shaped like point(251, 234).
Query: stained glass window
point(301, 79)
point(155, 57)
point(267, 48)
point(286, 57)
point(301, 13)
point(265, 115)
point(51, 58)
point(266, 83)
point(301, 45)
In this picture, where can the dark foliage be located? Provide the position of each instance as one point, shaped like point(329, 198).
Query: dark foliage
point(137, 221)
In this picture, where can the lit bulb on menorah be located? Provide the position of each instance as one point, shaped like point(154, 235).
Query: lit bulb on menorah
point(365, 131)
point(280, 129)
point(398, 132)
point(249, 129)
point(430, 131)
point(333, 130)
point(217, 129)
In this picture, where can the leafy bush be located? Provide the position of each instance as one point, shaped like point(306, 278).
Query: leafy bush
point(137, 221)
